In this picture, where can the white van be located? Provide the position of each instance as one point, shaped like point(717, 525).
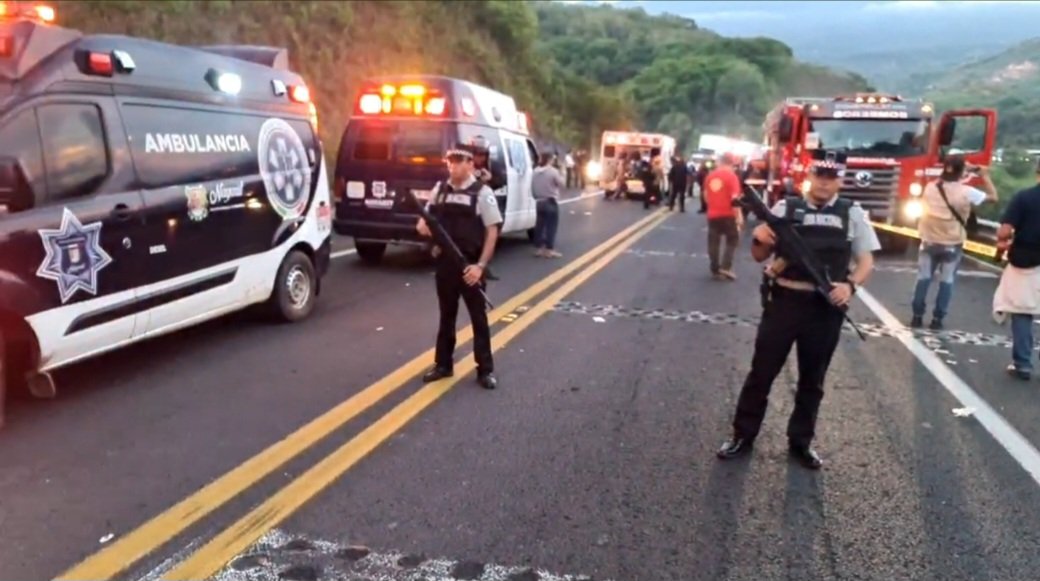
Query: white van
point(395, 143)
point(618, 146)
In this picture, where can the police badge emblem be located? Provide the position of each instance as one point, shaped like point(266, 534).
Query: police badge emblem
point(74, 256)
point(198, 202)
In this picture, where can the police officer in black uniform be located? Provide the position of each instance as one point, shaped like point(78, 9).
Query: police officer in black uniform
point(469, 212)
point(838, 231)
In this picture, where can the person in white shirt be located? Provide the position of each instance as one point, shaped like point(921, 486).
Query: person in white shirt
point(943, 230)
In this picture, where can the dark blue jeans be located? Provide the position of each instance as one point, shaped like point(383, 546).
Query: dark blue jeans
point(1022, 342)
point(548, 221)
point(942, 258)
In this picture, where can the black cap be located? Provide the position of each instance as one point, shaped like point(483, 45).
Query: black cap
point(953, 168)
point(827, 163)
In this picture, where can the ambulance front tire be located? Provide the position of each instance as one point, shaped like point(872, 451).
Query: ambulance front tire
point(370, 252)
point(531, 233)
point(295, 288)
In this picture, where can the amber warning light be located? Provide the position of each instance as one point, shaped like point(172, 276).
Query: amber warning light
point(409, 99)
point(27, 11)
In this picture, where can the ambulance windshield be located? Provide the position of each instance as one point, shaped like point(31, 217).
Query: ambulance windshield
point(873, 138)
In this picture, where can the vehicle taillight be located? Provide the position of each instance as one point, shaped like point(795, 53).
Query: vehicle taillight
point(6, 46)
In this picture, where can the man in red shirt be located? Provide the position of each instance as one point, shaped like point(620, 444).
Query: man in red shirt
point(721, 188)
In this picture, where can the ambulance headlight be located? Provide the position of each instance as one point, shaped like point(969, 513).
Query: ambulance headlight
point(913, 209)
point(916, 189)
point(593, 170)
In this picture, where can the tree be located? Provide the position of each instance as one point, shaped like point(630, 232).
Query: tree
point(742, 87)
point(680, 126)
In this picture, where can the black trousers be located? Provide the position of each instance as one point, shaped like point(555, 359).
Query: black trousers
point(790, 317)
point(450, 288)
point(680, 193)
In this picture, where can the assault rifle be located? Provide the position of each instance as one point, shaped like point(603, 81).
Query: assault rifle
point(800, 253)
point(442, 239)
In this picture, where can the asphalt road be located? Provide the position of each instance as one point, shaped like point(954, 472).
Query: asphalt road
point(593, 460)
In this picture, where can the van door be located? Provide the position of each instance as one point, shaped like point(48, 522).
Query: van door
point(518, 204)
point(72, 228)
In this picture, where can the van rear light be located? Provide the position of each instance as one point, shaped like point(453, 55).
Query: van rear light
point(6, 46)
point(371, 104)
point(435, 106)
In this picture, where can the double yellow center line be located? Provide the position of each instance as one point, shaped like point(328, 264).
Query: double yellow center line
point(210, 558)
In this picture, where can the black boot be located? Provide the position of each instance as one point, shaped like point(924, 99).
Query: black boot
point(734, 448)
point(436, 374)
point(806, 456)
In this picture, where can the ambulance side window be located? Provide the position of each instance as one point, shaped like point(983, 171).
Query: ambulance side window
point(20, 139)
point(74, 148)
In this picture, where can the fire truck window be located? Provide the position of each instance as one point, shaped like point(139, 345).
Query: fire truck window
point(872, 137)
point(21, 140)
point(75, 152)
point(373, 143)
point(970, 135)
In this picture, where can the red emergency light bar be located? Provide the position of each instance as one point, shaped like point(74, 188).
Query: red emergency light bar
point(27, 11)
point(407, 99)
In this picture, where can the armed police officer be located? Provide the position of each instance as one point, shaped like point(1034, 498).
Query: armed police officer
point(469, 213)
point(837, 231)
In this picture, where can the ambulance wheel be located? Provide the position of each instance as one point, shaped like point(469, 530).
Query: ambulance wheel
point(531, 234)
point(295, 288)
point(370, 252)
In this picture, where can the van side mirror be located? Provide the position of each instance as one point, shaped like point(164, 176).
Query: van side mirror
point(15, 194)
point(786, 128)
point(947, 131)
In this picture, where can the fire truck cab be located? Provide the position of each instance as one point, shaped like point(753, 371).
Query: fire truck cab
point(894, 147)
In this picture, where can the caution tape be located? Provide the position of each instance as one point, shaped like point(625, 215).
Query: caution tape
point(982, 249)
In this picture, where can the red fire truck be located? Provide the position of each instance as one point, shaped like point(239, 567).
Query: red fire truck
point(894, 147)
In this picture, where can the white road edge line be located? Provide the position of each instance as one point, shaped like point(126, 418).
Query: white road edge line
point(1004, 433)
point(585, 196)
point(983, 263)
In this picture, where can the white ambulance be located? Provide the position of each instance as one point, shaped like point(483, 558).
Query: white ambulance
point(620, 146)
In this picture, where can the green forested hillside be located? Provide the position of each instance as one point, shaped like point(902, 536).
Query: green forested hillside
point(1008, 81)
point(682, 79)
point(578, 70)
